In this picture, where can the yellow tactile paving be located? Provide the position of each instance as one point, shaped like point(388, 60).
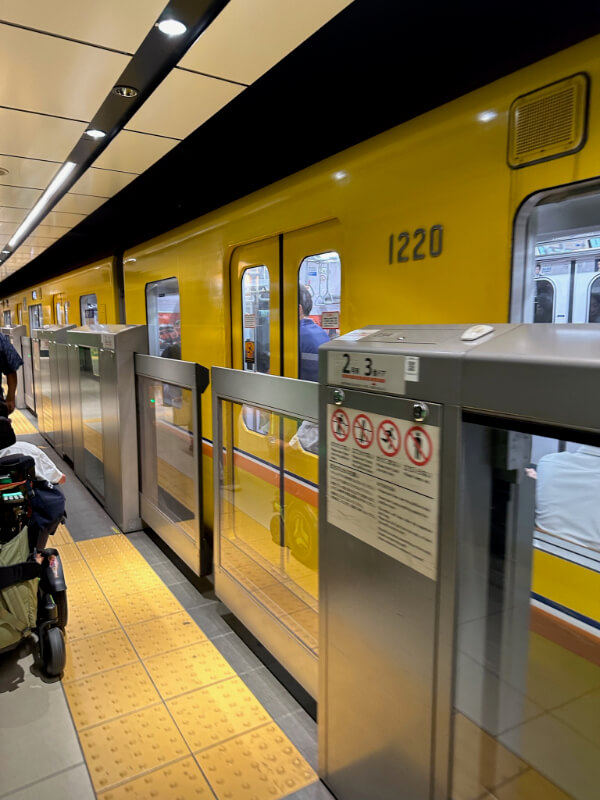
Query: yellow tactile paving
point(88, 620)
point(260, 765)
point(130, 745)
point(182, 780)
point(133, 608)
point(61, 537)
point(216, 713)
point(188, 668)
point(110, 694)
point(165, 633)
point(21, 424)
point(94, 654)
point(146, 688)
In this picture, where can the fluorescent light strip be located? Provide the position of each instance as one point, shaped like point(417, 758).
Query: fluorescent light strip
point(58, 180)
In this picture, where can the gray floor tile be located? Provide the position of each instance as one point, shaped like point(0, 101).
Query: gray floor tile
point(168, 573)
point(144, 544)
point(302, 730)
point(189, 596)
point(317, 791)
point(210, 618)
point(72, 783)
point(241, 658)
point(267, 689)
point(37, 735)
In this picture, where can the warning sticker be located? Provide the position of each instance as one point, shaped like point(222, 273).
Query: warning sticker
point(382, 484)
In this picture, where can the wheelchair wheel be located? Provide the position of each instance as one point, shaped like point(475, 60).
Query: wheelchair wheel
point(62, 609)
point(54, 653)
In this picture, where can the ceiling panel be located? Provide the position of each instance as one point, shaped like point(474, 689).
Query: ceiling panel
point(35, 136)
point(12, 214)
point(39, 241)
point(247, 38)
point(61, 218)
point(78, 203)
point(58, 77)
point(134, 152)
point(182, 103)
point(109, 23)
point(14, 197)
point(102, 182)
point(7, 229)
point(52, 230)
point(27, 172)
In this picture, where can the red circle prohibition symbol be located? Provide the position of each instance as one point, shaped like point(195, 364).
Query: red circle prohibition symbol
point(362, 430)
point(340, 425)
point(418, 446)
point(388, 437)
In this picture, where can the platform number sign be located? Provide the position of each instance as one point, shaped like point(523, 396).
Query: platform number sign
point(416, 245)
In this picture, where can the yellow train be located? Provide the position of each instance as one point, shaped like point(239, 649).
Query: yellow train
point(486, 209)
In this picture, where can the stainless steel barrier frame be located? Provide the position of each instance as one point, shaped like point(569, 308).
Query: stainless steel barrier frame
point(288, 397)
point(194, 377)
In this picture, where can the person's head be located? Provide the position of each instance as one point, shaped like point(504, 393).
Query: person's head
point(305, 301)
point(7, 434)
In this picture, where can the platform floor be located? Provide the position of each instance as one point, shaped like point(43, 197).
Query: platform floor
point(159, 699)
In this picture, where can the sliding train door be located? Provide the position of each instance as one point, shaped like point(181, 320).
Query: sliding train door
point(285, 301)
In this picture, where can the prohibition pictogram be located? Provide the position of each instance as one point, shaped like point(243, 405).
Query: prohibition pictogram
point(388, 437)
point(340, 424)
point(362, 430)
point(418, 446)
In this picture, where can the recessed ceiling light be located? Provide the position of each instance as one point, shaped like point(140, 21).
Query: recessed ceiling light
point(3, 171)
point(125, 91)
point(171, 27)
point(5, 252)
point(95, 134)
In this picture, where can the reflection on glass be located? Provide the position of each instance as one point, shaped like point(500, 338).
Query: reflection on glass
point(168, 458)
point(527, 674)
point(88, 306)
point(269, 521)
point(163, 315)
point(91, 413)
point(594, 309)
point(27, 372)
point(47, 419)
point(544, 301)
point(7, 322)
point(35, 317)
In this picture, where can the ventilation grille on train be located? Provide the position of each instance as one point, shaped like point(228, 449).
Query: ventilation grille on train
point(549, 122)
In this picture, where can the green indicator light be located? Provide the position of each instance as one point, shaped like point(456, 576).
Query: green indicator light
point(153, 400)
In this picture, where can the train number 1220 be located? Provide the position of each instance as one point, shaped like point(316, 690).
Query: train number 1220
point(416, 246)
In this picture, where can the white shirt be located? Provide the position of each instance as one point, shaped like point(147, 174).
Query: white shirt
point(568, 496)
point(45, 470)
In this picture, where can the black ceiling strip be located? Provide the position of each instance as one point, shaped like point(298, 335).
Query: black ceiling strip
point(377, 64)
point(152, 62)
point(65, 38)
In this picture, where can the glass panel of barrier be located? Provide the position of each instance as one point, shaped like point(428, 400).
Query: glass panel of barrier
point(91, 417)
point(168, 458)
point(47, 420)
point(527, 678)
point(269, 521)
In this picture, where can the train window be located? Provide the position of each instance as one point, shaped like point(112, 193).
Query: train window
point(594, 304)
point(163, 316)
point(319, 295)
point(66, 310)
point(544, 301)
point(88, 306)
point(59, 313)
point(7, 322)
point(36, 319)
point(256, 335)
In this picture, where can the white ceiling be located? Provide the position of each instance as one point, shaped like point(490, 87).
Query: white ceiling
point(58, 63)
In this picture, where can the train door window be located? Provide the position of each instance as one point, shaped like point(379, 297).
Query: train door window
point(544, 300)
point(319, 296)
point(59, 313)
point(19, 314)
point(256, 336)
point(594, 301)
point(163, 317)
point(88, 306)
point(36, 319)
point(66, 312)
point(7, 322)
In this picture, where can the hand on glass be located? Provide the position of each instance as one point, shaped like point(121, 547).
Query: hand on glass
point(531, 473)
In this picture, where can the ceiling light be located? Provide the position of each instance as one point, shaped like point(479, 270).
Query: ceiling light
point(125, 91)
point(95, 134)
point(340, 175)
point(487, 116)
point(171, 27)
point(55, 184)
point(5, 252)
point(3, 171)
